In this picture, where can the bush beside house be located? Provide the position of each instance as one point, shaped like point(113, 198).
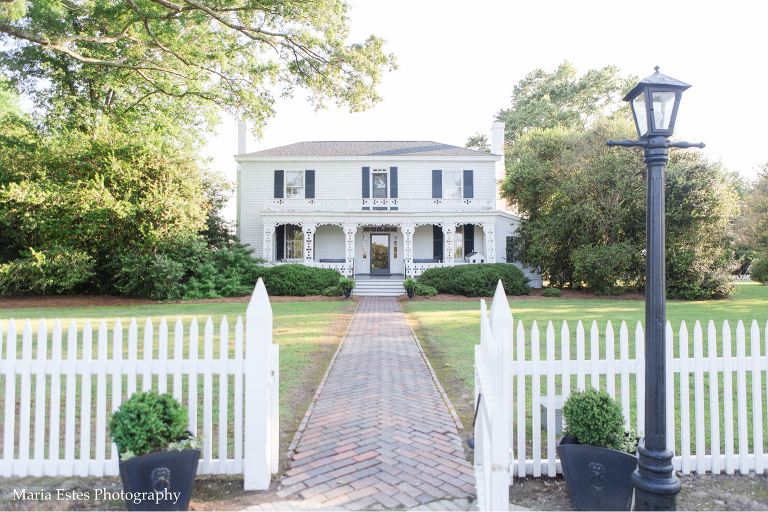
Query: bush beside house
point(476, 280)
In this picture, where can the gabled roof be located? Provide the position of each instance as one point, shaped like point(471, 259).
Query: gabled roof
point(368, 148)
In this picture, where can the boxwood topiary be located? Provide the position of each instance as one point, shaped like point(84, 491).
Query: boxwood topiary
point(594, 418)
point(477, 280)
point(148, 422)
point(552, 292)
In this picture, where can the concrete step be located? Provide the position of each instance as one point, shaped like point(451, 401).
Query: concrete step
point(379, 288)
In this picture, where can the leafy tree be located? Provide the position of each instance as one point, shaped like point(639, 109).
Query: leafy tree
point(548, 100)
point(129, 59)
point(752, 225)
point(583, 209)
point(479, 142)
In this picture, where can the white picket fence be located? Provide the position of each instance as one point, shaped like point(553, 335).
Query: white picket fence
point(255, 430)
point(716, 372)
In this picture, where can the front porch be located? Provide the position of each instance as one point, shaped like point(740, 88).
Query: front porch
point(377, 246)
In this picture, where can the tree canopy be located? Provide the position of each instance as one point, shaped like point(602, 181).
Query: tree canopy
point(583, 212)
point(752, 226)
point(548, 100)
point(130, 59)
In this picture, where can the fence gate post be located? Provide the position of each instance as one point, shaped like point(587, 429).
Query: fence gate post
point(258, 338)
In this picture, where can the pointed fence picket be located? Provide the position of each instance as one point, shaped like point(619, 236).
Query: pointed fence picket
point(84, 454)
point(698, 386)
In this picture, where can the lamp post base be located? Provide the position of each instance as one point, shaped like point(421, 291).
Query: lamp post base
point(656, 486)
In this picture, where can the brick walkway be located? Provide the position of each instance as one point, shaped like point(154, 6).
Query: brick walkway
point(380, 434)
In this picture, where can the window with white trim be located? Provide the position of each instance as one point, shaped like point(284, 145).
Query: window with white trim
point(379, 183)
point(294, 185)
point(452, 185)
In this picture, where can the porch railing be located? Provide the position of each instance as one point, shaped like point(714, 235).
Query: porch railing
point(404, 204)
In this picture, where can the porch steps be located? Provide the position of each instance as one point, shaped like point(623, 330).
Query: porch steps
point(379, 287)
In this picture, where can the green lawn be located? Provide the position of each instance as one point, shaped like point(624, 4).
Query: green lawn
point(452, 329)
point(307, 333)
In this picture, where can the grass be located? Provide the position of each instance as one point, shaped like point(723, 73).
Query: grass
point(451, 329)
point(307, 333)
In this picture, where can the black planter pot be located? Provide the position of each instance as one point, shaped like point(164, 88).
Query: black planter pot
point(347, 293)
point(410, 294)
point(596, 478)
point(159, 473)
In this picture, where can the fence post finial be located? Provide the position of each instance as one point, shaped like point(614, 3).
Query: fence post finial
point(258, 339)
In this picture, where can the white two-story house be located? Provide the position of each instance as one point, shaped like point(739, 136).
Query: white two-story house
point(374, 207)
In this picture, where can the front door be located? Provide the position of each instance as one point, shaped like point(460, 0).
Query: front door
point(379, 254)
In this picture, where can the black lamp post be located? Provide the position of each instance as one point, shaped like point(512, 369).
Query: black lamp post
point(654, 102)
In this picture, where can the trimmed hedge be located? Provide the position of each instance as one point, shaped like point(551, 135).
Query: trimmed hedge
point(298, 280)
point(478, 280)
point(424, 290)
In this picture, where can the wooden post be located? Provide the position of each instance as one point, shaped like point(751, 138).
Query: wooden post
point(258, 337)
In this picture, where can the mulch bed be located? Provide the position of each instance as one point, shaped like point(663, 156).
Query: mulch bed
point(77, 301)
point(535, 294)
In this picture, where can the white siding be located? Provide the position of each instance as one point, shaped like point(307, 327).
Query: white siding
point(422, 243)
point(329, 242)
point(342, 179)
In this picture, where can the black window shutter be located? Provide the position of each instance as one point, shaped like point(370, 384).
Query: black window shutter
point(393, 182)
point(469, 185)
point(279, 176)
point(469, 237)
point(437, 183)
point(437, 242)
point(309, 184)
point(366, 182)
point(366, 185)
point(280, 241)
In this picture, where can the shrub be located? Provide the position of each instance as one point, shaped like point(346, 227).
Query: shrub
point(346, 284)
point(187, 268)
point(408, 284)
point(552, 292)
point(148, 422)
point(759, 271)
point(298, 280)
point(424, 289)
point(594, 418)
point(46, 272)
point(602, 267)
point(478, 280)
point(333, 291)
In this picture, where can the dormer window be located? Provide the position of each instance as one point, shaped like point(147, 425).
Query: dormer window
point(294, 184)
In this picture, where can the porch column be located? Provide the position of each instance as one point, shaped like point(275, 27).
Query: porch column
point(349, 235)
point(269, 232)
point(407, 230)
point(489, 230)
point(309, 243)
point(448, 229)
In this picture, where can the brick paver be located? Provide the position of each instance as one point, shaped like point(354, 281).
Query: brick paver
point(380, 432)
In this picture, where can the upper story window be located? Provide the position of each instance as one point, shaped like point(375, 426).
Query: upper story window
point(379, 183)
point(452, 184)
point(294, 184)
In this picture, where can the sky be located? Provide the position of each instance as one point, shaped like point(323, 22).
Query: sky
point(459, 61)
